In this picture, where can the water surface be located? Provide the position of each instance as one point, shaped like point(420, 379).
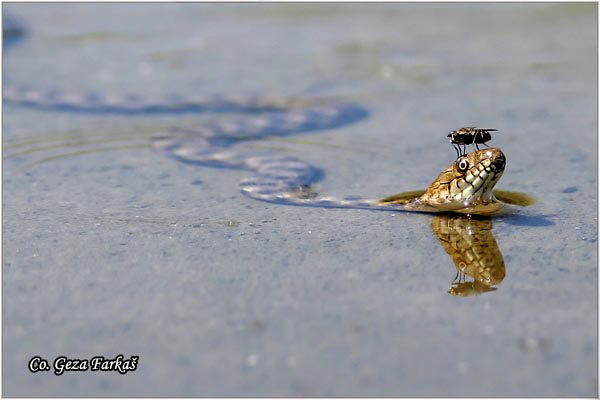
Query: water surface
point(112, 248)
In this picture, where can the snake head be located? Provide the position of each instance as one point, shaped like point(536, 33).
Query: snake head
point(467, 184)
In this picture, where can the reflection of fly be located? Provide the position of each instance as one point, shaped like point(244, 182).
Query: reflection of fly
point(462, 287)
point(469, 135)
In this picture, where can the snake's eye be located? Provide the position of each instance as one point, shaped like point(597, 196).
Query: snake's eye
point(462, 164)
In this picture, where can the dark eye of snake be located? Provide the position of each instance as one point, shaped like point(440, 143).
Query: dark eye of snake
point(462, 164)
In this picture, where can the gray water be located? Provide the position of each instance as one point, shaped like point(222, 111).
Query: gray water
point(109, 247)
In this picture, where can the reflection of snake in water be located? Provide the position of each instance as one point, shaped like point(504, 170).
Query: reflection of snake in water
point(464, 187)
point(471, 245)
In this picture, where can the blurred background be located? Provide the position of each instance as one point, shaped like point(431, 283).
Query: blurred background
point(112, 248)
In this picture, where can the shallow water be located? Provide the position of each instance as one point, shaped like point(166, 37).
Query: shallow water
point(112, 248)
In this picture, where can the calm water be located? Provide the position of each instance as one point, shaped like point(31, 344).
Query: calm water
point(112, 248)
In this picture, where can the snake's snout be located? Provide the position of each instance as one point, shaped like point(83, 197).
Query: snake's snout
point(496, 156)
